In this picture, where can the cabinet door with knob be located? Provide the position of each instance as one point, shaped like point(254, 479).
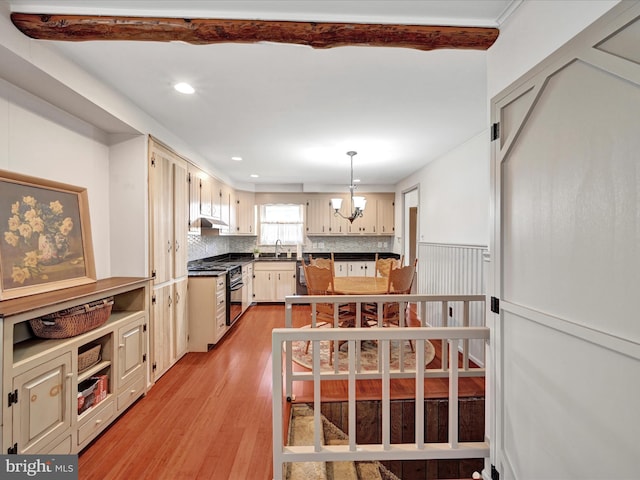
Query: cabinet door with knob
point(130, 358)
point(43, 399)
point(273, 281)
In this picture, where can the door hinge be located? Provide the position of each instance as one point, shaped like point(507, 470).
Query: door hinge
point(154, 366)
point(13, 450)
point(494, 473)
point(153, 160)
point(495, 131)
point(144, 357)
point(153, 300)
point(144, 327)
point(153, 273)
point(13, 397)
point(495, 305)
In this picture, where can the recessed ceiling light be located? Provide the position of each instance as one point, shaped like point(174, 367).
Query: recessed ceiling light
point(237, 159)
point(254, 175)
point(185, 88)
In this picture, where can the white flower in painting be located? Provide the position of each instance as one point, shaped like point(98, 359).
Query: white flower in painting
point(11, 238)
point(14, 223)
point(29, 201)
point(67, 226)
point(19, 275)
point(25, 230)
point(31, 259)
point(56, 207)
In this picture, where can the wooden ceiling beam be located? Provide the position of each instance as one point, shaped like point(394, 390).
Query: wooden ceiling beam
point(77, 28)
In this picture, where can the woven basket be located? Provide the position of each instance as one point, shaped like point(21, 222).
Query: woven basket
point(89, 358)
point(73, 321)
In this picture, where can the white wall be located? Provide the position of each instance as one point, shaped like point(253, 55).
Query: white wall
point(534, 31)
point(454, 195)
point(42, 141)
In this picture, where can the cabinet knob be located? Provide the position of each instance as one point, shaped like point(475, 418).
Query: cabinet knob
point(133, 391)
point(69, 375)
point(98, 422)
point(121, 345)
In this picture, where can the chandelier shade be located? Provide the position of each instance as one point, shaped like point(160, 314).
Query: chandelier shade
point(358, 203)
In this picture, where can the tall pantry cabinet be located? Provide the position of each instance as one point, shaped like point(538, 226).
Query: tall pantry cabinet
point(169, 217)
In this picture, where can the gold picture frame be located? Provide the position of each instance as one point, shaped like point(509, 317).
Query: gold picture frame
point(45, 236)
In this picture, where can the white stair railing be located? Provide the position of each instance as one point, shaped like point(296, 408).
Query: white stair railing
point(453, 338)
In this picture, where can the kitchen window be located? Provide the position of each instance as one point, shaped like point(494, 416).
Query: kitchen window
point(284, 222)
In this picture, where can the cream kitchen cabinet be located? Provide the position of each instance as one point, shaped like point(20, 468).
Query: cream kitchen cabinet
point(355, 269)
point(339, 225)
point(180, 321)
point(225, 194)
point(318, 219)
point(242, 213)
point(377, 219)
point(41, 377)
point(170, 209)
point(207, 311)
point(365, 225)
point(273, 280)
point(385, 213)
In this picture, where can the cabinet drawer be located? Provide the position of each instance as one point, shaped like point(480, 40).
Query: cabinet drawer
point(130, 393)
point(275, 266)
point(96, 421)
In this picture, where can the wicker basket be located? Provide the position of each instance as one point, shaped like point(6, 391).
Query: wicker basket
point(73, 321)
point(89, 358)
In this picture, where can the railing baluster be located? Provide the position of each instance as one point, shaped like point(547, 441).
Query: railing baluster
point(453, 395)
point(420, 367)
point(317, 421)
point(465, 342)
point(386, 396)
point(352, 397)
point(445, 345)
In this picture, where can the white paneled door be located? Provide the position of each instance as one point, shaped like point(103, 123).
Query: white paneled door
point(566, 255)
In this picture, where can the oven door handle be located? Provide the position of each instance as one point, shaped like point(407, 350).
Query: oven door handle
point(236, 287)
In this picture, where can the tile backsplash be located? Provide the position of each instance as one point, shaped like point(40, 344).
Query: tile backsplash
point(201, 246)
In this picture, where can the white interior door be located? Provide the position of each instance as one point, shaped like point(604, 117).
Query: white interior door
point(566, 344)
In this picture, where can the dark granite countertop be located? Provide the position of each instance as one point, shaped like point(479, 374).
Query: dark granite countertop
point(242, 258)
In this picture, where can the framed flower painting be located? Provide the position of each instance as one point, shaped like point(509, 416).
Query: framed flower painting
point(45, 241)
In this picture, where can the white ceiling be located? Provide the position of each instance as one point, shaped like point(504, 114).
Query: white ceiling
point(292, 112)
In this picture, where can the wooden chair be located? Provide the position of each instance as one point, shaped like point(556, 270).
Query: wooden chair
point(323, 263)
point(320, 282)
point(384, 265)
point(400, 283)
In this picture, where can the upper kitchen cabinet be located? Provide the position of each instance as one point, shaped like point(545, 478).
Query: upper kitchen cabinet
point(224, 195)
point(378, 217)
point(242, 213)
point(385, 206)
point(318, 215)
point(338, 225)
point(366, 224)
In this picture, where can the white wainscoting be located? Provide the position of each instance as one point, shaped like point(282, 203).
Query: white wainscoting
point(445, 269)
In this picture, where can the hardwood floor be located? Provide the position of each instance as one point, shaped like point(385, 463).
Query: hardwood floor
point(209, 417)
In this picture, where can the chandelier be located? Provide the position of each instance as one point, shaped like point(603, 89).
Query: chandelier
point(357, 203)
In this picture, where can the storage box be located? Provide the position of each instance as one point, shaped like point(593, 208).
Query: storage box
point(92, 391)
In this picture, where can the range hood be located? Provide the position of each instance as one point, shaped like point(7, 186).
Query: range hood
point(204, 221)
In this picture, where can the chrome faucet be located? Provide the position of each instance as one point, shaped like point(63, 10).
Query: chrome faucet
point(277, 252)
